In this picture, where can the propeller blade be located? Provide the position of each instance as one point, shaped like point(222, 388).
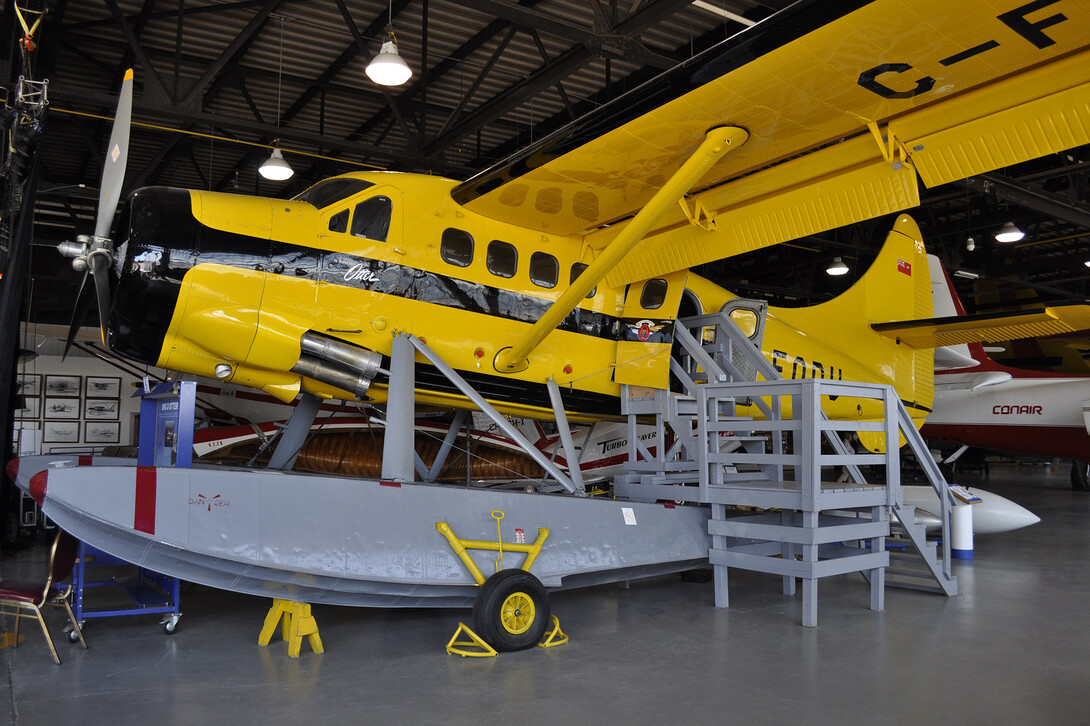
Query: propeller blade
point(79, 313)
point(117, 155)
point(100, 270)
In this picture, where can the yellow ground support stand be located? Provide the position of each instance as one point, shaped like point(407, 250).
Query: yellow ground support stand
point(295, 622)
point(460, 547)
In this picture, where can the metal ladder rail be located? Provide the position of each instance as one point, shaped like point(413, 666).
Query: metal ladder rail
point(934, 476)
point(753, 355)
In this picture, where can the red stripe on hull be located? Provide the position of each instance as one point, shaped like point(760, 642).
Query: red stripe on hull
point(1066, 442)
point(143, 518)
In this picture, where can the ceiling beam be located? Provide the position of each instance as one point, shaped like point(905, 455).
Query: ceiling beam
point(1009, 190)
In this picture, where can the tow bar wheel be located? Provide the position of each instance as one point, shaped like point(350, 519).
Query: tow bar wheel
point(511, 610)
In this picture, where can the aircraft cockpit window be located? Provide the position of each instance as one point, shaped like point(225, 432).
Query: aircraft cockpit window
point(372, 218)
point(544, 269)
point(339, 221)
point(456, 247)
point(331, 191)
point(576, 271)
point(502, 259)
point(653, 295)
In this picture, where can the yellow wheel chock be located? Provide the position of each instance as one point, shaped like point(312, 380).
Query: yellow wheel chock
point(554, 637)
point(458, 647)
point(295, 621)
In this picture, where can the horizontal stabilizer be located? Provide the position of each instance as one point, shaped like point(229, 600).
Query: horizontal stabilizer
point(970, 381)
point(987, 328)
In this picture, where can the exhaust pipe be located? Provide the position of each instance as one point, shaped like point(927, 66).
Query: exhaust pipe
point(344, 355)
point(338, 364)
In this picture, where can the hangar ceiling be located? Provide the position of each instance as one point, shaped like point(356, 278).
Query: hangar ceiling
point(218, 82)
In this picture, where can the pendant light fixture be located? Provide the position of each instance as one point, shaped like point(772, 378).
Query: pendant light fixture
point(388, 68)
point(837, 268)
point(1009, 233)
point(276, 167)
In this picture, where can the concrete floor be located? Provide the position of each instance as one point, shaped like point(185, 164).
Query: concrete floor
point(1012, 647)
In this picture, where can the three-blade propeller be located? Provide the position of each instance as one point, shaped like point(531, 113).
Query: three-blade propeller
point(94, 255)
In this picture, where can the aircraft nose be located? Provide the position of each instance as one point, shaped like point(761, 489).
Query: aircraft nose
point(1015, 516)
point(998, 514)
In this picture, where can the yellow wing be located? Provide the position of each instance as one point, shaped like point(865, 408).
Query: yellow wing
point(845, 102)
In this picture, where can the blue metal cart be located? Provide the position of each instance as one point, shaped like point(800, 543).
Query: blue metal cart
point(166, 439)
point(145, 593)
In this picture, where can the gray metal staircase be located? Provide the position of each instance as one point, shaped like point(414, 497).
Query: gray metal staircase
point(731, 446)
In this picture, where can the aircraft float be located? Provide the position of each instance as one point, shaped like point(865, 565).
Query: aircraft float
point(547, 283)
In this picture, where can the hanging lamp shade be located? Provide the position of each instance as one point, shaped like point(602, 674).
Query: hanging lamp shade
point(388, 68)
point(1009, 233)
point(276, 167)
point(837, 268)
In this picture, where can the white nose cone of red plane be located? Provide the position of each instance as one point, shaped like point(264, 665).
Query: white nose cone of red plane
point(993, 514)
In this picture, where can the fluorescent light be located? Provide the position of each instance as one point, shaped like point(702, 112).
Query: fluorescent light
point(837, 268)
point(1009, 233)
point(388, 68)
point(276, 167)
point(723, 13)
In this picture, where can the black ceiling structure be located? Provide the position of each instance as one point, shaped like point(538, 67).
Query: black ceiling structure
point(219, 82)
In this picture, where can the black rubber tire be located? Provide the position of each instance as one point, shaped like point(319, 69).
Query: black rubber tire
point(72, 636)
point(170, 628)
point(1080, 481)
point(500, 614)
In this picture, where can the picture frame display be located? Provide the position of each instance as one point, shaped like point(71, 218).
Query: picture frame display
point(63, 386)
point(101, 409)
point(101, 432)
point(63, 408)
point(28, 384)
point(61, 432)
point(102, 387)
point(32, 408)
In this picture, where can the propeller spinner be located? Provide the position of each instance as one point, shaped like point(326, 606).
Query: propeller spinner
point(93, 254)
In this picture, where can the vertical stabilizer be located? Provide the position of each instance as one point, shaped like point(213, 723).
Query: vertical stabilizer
point(946, 304)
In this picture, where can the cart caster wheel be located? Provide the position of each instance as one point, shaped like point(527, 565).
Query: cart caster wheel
point(72, 635)
point(170, 624)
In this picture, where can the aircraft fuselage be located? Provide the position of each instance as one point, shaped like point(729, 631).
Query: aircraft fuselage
point(226, 286)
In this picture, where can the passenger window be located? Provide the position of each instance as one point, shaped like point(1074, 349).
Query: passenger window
point(456, 247)
point(544, 269)
point(654, 294)
point(576, 271)
point(372, 218)
point(502, 259)
point(746, 320)
point(339, 221)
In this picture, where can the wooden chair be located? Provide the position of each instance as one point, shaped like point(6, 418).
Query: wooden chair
point(26, 599)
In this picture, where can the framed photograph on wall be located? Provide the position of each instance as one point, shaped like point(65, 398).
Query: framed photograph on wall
point(32, 408)
point(102, 387)
point(62, 408)
point(61, 432)
point(101, 432)
point(66, 386)
point(101, 409)
point(28, 384)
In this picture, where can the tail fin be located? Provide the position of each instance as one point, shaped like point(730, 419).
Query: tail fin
point(896, 287)
point(947, 304)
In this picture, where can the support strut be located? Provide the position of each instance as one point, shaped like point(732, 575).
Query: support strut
point(717, 143)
